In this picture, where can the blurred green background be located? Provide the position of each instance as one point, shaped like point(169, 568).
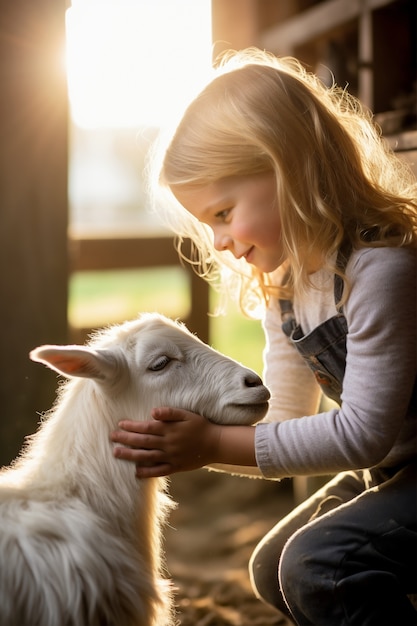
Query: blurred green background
point(100, 298)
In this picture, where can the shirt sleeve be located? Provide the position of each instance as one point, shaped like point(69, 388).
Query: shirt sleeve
point(380, 373)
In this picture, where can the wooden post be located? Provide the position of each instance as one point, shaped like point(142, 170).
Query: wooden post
point(235, 24)
point(33, 209)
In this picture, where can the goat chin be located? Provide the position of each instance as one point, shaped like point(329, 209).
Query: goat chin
point(80, 537)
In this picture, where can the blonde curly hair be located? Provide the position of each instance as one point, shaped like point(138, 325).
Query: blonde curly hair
point(337, 180)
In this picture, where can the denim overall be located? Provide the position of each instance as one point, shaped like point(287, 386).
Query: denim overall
point(324, 349)
point(342, 565)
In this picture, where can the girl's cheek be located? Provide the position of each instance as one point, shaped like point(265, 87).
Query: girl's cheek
point(243, 231)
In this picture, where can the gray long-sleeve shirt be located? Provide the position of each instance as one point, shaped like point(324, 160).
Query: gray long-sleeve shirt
point(372, 426)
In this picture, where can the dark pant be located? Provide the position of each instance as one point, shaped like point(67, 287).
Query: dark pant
point(347, 556)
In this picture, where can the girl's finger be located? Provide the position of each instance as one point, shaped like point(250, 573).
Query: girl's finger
point(151, 427)
point(142, 457)
point(156, 471)
point(169, 414)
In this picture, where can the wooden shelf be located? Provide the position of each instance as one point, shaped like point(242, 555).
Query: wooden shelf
point(368, 46)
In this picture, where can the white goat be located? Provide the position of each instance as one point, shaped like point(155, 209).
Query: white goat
point(80, 536)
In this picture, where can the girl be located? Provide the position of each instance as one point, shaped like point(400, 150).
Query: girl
point(288, 189)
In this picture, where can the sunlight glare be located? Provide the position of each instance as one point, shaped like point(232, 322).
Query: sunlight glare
point(135, 62)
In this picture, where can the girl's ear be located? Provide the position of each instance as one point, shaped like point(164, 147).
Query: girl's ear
point(77, 361)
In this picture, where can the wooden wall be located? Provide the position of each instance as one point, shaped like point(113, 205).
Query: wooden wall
point(33, 209)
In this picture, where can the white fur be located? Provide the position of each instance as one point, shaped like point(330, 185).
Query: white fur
point(80, 536)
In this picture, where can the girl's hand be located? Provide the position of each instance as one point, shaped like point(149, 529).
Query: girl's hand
point(177, 441)
point(174, 441)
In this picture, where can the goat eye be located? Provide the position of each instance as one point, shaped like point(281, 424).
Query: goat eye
point(160, 363)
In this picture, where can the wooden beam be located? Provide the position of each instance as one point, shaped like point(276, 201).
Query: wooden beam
point(107, 253)
point(311, 23)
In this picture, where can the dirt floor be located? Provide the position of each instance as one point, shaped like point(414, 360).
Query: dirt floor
point(218, 522)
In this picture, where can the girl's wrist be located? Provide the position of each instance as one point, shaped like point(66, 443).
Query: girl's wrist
point(236, 446)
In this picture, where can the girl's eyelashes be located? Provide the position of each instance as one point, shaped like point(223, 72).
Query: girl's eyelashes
point(223, 214)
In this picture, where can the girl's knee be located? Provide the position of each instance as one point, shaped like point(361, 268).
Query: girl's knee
point(263, 573)
point(293, 565)
point(306, 572)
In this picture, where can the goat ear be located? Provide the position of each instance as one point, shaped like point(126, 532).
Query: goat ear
point(77, 361)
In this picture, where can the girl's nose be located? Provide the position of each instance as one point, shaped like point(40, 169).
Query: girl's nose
point(222, 242)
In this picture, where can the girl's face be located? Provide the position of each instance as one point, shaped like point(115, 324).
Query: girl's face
point(243, 214)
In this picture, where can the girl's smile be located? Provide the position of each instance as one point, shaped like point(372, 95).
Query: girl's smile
point(242, 212)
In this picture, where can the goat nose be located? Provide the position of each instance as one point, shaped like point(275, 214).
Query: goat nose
point(252, 380)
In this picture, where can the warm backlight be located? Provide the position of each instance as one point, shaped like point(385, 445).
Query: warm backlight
point(135, 62)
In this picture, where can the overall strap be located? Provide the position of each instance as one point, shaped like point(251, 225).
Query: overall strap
point(341, 263)
point(289, 323)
